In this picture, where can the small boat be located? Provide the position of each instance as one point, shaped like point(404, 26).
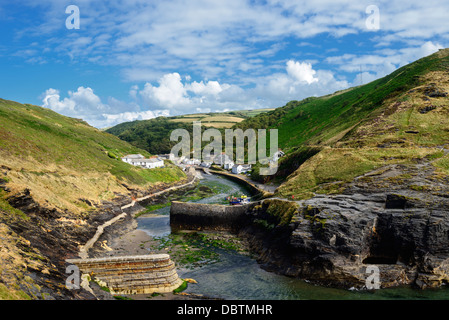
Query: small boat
point(236, 201)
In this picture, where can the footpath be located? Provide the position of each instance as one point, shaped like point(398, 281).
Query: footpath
point(83, 253)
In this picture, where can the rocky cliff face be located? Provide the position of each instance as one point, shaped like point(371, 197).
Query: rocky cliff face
point(35, 241)
point(395, 218)
point(39, 242)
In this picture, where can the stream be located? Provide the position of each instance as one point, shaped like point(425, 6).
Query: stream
point(238, 276)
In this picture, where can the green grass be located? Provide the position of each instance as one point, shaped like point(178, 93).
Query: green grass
point(316, 120)
point(69, 158)
point(8, 209)
point(442, 164)
point(327, 171)
point(11, 294)
point(181, 288)
point(31, 131)
point(332, 139)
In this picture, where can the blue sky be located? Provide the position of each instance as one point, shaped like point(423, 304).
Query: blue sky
point(135, 59)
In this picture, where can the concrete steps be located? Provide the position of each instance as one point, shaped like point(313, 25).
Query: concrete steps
point(133, 274)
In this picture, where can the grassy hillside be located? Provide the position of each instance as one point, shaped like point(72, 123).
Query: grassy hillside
point(154, 135)
point(62, 160)
point(332, 139)
point(54, 172)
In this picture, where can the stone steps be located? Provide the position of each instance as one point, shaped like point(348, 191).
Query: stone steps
point(133, 274)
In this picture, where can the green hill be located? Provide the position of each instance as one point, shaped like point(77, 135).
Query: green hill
point(153, 135)
point(332, 139)
point(67, 158)
point(59, 180)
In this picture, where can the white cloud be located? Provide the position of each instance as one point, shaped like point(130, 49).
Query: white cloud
point(299, 81)
point(170, 93)
point(301, 71)
point(86, 100)
point(381, 62)
point(85, 104)
point(184, 97)
point(249, 48)
point(210, 88)
point(149, 39)
point(51, 100)
point(113, 119)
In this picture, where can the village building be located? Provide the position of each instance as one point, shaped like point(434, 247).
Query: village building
point(241, 168)
point(278, 154)
point(228, 165)
point(132, 157)
point(151, 163)
point(193, 161)
point(206, 164)
point(141, 161)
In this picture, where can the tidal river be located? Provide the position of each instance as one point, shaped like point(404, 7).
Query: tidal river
point(238, 276)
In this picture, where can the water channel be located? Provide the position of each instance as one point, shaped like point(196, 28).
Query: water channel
point(238, 276)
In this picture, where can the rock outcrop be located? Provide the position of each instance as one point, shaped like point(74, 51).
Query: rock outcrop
point(402, 228)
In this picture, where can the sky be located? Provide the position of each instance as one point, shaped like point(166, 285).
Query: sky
point(108, 62)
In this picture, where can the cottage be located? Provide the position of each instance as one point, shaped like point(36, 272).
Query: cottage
point(141, 161)
point(206, 164)
point(132, 157)
point(241, 168)
point(278, 154)
point(191, 161)
point(152, 163)
point(228, 165)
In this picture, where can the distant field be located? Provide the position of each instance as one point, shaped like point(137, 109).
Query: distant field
point(219, 120)
point(194, 115)
point(222, 119)
point(186, 119)
point(218, 125)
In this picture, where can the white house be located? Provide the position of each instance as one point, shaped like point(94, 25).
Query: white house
point(191, 161)
point(206, 164)
point(278, 155)
point(152, 163)
point(132, 157)
point(241, 168)
point(228, 165)
point(139, 160)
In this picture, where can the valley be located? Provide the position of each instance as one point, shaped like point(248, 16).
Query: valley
point(364, 180)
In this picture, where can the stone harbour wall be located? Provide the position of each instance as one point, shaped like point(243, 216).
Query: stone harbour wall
point(144, 274)
point(199, 216)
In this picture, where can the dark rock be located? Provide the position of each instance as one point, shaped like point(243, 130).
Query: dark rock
point(426, 109)
point(334, 238)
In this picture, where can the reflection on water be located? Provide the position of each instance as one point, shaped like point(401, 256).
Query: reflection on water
point(155, 225)
point(239, 277)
